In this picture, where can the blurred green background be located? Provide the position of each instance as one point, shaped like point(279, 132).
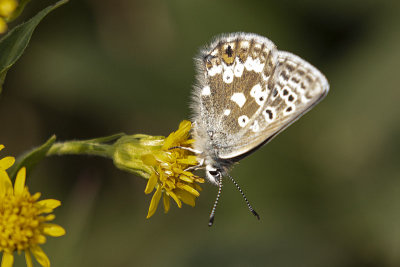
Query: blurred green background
point(327, 189)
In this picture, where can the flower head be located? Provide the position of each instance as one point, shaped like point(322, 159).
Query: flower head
point(24, 221)
point(165, 162)
point(7, 7)
point(170, 176)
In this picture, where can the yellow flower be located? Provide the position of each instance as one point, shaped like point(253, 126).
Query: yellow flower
point(167, 163)
point(169, 175)
point(7, 7)
point(24, 221)
point(3, 25)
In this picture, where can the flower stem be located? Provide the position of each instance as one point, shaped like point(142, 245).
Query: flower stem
point(81, 148)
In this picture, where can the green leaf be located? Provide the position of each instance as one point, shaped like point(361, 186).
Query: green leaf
point(31, 158)
point(13, 44)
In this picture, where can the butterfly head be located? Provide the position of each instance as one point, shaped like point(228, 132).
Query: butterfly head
point(213, 174)
point(213, 169)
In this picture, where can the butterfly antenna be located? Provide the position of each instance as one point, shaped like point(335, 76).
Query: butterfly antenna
point(244, 196)
point(211, 221)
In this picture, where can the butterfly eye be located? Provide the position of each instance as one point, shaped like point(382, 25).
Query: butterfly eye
point(215, 174)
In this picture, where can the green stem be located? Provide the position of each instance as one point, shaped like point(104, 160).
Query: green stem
point(81, 148)
point(126, 152)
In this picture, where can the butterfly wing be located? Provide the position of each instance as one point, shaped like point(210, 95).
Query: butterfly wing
point(249, 92)
point(295, 87)
point(225, 70)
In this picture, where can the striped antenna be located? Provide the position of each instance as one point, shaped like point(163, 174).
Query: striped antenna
point(244, 196)
point(211, 221)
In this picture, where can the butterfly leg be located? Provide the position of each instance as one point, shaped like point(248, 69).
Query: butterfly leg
point(197, 167)
point(186, 148)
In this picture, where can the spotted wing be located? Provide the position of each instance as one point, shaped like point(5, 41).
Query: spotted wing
point(248, 92)
point(227, 71)
point(294, 88)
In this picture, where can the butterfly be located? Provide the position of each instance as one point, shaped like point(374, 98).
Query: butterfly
point(247, 92)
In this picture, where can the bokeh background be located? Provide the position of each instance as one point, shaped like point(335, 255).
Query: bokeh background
point(327, 189)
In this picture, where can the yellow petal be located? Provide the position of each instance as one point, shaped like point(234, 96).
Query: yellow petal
point(187, 173)
point(170, 184)
point(188, 188)
point(151, 183)
point(1, 147)
point(198, 187)
point(48, 205)
point(188, 142)
point(175, 197)
point(52, 229)
point(7, 260)
point(199, 180)
point(166, 203)
point(3, 25)
point(154, 202)
point(168, 141)
point(184, 128)
point(28, 258)
point(41, 239)
point(177, 170)
point(20, 182)
point(6, 162)
point(40, 256)
point(165, 157)
point(185, 125)
point(36, 196)
point(186, 197)
point(5, 184)
point(189, 160)
point(50, 217)
point(186, 178)
point(176, 137)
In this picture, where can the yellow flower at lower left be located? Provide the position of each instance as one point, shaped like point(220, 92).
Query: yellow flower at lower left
point(24, 220)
